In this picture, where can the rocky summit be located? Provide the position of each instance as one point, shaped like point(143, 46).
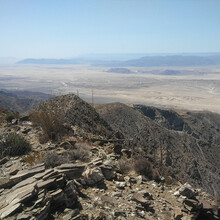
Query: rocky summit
point(67, 160)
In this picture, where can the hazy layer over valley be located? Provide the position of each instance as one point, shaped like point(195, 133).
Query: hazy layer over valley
point(192, 88)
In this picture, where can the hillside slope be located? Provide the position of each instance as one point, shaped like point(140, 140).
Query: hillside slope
point(21, 101)
point(187, 145)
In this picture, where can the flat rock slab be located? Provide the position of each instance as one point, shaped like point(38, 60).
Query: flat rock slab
point(138, 197)
point(74, 172)
point(70, 166)
point(24, 174)
point(41, 175)
point(25, 182)
point(10, 210)
point(46, 184)
point(21, 194)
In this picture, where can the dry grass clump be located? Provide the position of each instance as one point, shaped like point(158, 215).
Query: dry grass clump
point(52, 159)
point(52, 125)
point(82, 152)
point(144, 167)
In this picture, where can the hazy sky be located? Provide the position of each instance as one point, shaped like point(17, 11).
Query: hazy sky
point(66, 28)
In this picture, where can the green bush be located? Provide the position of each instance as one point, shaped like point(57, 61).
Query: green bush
point(14, 145)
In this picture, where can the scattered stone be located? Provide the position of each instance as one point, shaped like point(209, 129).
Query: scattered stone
point(139, 180)
point(120, 185)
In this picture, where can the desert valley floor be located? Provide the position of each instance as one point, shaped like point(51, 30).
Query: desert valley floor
point(193, 88)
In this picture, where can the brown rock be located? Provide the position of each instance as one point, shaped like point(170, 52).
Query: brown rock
point(14, 169)
point(178, 214)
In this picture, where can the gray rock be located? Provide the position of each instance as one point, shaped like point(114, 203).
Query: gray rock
point(24, 174)
point(93, 176)
point(22, 194)
point(14, 169)
point(70, 194)
point(24, 182)
point(47, 184)
point(22, 216)
point(108, 172)
point(120, 185)
point(187, 190)
point(42, 213)
point(10, 210)
point(71, 170)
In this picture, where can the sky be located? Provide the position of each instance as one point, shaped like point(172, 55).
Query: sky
point(69, 28)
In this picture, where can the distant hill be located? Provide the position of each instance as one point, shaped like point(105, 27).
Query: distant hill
point(77, 112)
point(21, 101)
point(119, 70)
point(175, 60)
point(48, 61)
point(146, 61)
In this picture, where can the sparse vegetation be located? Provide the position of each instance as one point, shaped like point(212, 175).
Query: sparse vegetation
point(52, 125)
point(52, 159)
point(14, 145)
point(33, 158)
point(82, 152)
point(144, 167)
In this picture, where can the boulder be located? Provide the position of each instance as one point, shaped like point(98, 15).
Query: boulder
point(108, 172)
point(70, 194)
point(93, 176)
point(187, 190)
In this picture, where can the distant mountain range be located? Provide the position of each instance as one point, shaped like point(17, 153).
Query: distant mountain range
point(146, 61)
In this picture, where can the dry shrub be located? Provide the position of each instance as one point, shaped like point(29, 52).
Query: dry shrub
point(144, 167)
point(82, 152)
point(125, 165)
point(52, 125)
point(52, 159)
point(14, 145)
